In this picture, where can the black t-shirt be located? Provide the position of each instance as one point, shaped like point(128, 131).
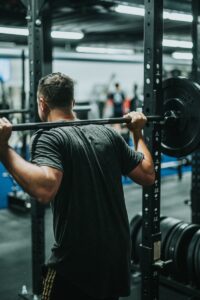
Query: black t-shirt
point(90, 222)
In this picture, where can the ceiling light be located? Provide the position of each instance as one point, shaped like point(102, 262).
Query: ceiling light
point(177, 44)
point(124, 9)
point(54, 34)
point(15, 31)
point(182, 55)
point(67, 35)
point(101, 50)
point(140, 11)
point(10, 51)
point(177, 16)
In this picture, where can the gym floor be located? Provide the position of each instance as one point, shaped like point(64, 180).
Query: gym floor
point(15, 233)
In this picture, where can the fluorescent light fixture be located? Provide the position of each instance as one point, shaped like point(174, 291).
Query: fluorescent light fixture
point(177, 44)
point(131, 10)
point(101, 50)
point(182, 55)
point(10, 51)
point(67, 35)
point(139, 11)
point(14, 31)
point(54, 34)
point(177, 16)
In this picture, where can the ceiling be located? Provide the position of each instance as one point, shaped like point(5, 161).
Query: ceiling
point(97, 20)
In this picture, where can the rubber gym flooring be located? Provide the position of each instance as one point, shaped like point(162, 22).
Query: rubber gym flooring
point(15, 233)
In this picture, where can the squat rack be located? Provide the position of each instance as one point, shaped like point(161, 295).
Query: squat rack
point(38, 17)
point(153, 28)
point(151, 236)
point(38, 67)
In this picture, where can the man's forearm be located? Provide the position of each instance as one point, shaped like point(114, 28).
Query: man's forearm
point(140, 146)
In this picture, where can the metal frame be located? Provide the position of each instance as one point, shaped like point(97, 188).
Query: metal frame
point(195, 190)
point(35, 43)
point(36, 71)
point(151, 236)
point(23, 104)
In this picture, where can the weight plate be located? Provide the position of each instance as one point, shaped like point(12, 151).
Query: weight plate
point(138, 241)
point(197, 262)
point(135, 224)
point(182, 136)
point(169, 249)
point(181, 251)
point(168, 241)
point(191, 265)
point(166, 226)
point(177, 249)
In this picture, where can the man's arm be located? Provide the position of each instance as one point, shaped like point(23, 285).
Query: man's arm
point(144, 173)
point(40, 182)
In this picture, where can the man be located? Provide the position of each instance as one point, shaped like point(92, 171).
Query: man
point(78, 169)
point(117, 98)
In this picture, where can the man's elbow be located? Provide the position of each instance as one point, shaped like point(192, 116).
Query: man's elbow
point(44, 196)
point(45, 199)
point(150, 179)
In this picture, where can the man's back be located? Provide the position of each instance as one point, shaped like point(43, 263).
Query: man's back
point(78, 171)
point(90, 220)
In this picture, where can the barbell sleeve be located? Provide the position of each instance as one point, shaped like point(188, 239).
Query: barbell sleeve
point(155, 118)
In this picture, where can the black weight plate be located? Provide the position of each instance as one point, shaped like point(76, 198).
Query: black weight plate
point(168, 241)
point(191, 265)
point(138, 241)
point(167, 236)
point(170, 246)
point(135, 224)
point(181, 137)
point(181, 251)
point(166, 226)
point(197, 262)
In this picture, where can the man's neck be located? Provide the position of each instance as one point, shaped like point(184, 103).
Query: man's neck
point(60, 114)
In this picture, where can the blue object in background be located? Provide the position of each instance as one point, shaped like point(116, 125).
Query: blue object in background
point(172, 171)
point(5, 186)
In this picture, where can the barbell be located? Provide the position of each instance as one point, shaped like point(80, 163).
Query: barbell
point(180, 120)
point(5, 112)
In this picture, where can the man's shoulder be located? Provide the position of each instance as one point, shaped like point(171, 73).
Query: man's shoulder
point(110, 131)
point(45, 135)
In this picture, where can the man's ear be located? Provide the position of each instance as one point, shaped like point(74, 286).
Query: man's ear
point(44, 105)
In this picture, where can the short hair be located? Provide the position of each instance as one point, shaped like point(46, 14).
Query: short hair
point(57, 89)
